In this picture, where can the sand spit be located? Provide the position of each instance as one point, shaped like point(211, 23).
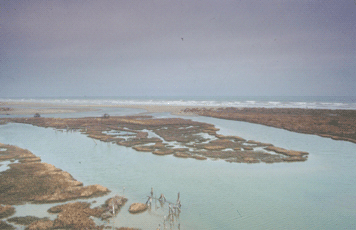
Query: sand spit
point(28, 108)
point(29, 180)
point(335, 124)
point(21, 108)
point(182, 138)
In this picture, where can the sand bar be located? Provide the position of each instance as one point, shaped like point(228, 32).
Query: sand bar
point(27, 108)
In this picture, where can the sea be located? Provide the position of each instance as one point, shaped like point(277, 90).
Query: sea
point(311, 102)
point(319, 193)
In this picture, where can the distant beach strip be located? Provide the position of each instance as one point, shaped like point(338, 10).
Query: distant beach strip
point(322, 119)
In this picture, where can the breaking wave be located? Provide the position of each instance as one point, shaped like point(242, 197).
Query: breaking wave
point(311, 102)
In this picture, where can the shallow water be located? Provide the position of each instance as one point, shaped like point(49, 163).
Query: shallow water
point(4, 165)
point(316, 194)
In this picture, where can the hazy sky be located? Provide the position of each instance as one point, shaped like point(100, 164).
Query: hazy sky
point(152, 48)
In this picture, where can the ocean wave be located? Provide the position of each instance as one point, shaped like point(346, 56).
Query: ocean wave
point(274, 102)
point(190, 103)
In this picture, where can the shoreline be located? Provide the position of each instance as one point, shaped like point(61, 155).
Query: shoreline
point(27, 108)
point(28, 180)
point(336, 124)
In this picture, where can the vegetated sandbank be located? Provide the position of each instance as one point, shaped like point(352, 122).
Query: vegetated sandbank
point(51, 184)
point(181, 137)
point(28, 180)
point(30, 108)
point(335, 124)
point(26, 108)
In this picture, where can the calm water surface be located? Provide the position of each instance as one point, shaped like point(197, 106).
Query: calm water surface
point(316, 194)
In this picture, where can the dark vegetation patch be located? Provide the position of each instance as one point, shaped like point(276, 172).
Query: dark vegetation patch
point(335, 124)
point(25, 220)
point(36, 182)
point(4, 225)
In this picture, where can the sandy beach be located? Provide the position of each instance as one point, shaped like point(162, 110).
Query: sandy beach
point(26, 108)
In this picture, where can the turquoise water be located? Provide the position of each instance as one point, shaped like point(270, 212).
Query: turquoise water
point(316, 194)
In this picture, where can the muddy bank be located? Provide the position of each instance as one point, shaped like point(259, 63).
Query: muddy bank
point(335, 124)
point(78, 215)
point(30, 180)
point(182, 138)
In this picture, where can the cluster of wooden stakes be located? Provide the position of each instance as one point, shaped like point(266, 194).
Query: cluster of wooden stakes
point(174, 210)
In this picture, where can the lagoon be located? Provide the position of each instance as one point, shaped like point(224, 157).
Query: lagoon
point(316, 194)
